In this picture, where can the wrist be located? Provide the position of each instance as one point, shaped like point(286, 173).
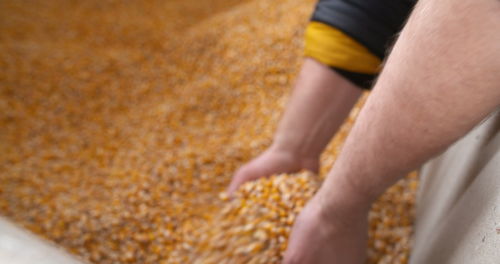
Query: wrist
point(301, 160)
point(294, 145)
point(340, 200)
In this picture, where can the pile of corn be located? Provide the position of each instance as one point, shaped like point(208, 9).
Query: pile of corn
point(122, 122)
point(252, 227)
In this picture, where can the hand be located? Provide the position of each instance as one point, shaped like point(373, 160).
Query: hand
point(272, 161)
point(332, 237)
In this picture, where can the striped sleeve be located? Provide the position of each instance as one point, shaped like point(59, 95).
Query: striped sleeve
point(351, 36)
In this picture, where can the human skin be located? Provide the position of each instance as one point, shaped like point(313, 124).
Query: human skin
point(440, 80)
point(320, 103)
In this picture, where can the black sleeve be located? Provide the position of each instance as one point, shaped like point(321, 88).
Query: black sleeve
point(373, 23)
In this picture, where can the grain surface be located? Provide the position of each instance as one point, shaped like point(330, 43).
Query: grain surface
point(123, 121)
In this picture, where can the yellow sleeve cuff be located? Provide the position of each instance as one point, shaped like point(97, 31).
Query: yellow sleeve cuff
point(332, 47)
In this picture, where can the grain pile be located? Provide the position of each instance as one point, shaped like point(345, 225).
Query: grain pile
point(252, 227)
point(121, 123)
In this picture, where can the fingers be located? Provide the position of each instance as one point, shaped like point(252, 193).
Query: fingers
point(241, 176)
point(267, 164)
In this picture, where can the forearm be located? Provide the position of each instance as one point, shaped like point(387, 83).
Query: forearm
point(440, 80)
point(320, 102)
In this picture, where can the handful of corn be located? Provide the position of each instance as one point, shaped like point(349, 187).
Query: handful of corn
point(252, 227)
